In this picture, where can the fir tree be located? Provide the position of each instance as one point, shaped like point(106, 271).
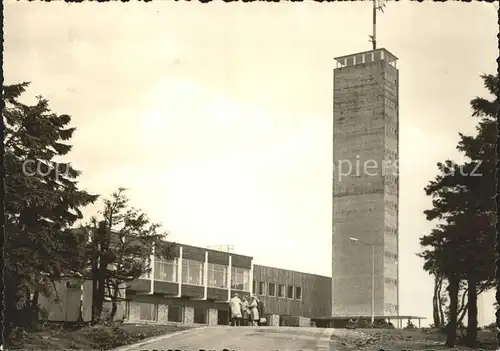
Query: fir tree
point(42, 200)
point(463, 200)
point(120, 246)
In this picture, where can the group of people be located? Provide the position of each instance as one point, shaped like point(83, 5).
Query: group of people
point(246, 311)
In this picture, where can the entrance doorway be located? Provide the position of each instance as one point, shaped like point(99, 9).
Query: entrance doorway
point(222, 317)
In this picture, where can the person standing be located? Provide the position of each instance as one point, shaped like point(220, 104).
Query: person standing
point(245, 311)
point(235, 306)
point(260, 308)
point(254, 311)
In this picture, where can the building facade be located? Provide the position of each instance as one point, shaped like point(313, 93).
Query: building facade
point(365, 185)
point(296, 297)
point(194, 287)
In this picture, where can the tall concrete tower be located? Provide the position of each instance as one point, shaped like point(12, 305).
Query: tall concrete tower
point(365, 185)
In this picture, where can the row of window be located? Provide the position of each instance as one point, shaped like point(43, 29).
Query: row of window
point(354, 128)
point(391, 189)
point(193, 274)
point(391, 307)
point(390, 129)
point(149, 312)
point(366, 115)
point(391, 281)
point(391, 204)
point(375, 131)
point(390, 117)
point(356, 102)
point(359, 106)
point(390, 78)
point(389, 103)
point(363, 102)
point(390, 179)
point(388, 229)
point(283, 291)
point(354, 211)
point(391, 255)
point(390, 217)
point(390, 170)
point(370, 189)
point(391, 153)
point(363, 58)
point(344, 84)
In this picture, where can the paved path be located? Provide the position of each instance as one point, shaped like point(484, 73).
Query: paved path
point(244, 339)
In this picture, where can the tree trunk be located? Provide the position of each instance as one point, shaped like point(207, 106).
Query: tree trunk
point(10, 311)
point(33, 308)
point(471, 339)
point(99, 274)
point(451, 329)
point(497, 293)
point(98, 286)
point(463, 311)
point(114, 306)
point(463, 307)
point(95, 316)
point(99, 299)
point(101, 266)
point(80, 320)
point(440, 303)
point(497, 270)
point(435, 303)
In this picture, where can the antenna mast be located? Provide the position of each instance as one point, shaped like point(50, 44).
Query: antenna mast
point(380, 6)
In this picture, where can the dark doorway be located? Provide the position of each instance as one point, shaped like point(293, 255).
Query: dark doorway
point(222, 317)
point(175, 313)
point(200, 316)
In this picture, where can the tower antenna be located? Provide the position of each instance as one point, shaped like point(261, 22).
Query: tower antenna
point(378, 5)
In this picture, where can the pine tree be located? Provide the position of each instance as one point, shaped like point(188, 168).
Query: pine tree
point(463, 198)
point(121, 245)
point(42, 201)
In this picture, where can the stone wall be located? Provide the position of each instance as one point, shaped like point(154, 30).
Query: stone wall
point(134, 312)
point(188, 315)
point(162, 314)
point(213, 316)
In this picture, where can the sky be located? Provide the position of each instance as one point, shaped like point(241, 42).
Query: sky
point(218, 117)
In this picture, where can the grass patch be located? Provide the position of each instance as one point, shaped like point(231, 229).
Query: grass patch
point(404, 339)
point(99, 337)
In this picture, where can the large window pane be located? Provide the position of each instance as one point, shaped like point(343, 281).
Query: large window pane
point(127, 310)
point(240, 279)
point(281, 290)
point(298, 293)
point(200, 316)
point(175, 313)
point(166, 270)
point(262, 288)
point(148, 274)
point(147, 311)
point(271, 289)
point(192, 272)
point(217, 276)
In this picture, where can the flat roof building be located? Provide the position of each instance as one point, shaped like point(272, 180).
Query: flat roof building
point(194, 287)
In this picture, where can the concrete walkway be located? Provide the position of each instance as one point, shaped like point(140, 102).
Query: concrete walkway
point(241, 339)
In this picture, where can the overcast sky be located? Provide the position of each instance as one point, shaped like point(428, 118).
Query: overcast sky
point(218, 117)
